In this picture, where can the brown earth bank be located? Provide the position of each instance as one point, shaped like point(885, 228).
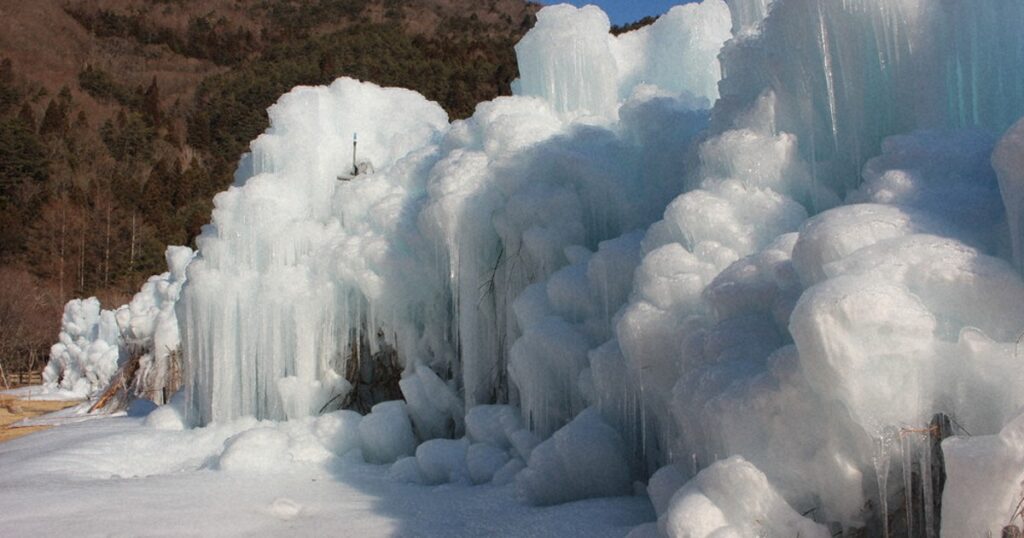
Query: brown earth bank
point(13, 410)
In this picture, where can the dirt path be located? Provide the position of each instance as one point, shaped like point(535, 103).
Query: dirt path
point(12, 410)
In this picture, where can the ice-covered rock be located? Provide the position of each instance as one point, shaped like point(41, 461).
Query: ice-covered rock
point(484, 460)
point(984, 482)
point(586, 458)
point(733, 498)
point(443, 461)
point(386, 433)
point(493, 424)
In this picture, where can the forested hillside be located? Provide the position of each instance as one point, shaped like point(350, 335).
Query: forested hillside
point(120, 119)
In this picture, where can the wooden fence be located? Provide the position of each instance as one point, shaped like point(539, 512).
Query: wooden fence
point(17, 379)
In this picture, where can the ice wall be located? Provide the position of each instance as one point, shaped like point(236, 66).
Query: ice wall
point(847, 74)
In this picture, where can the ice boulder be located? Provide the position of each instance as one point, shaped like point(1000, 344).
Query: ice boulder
point(386, 433)
point(434, 408)
point(492, 424)
point(836, 233)
point(443, 460)
point(407, 470)
point(984, 482)
point(586, 458)
point(508, 472)
point(663, 484)
point(170, 416)
point(733, 498)
point(483, 460)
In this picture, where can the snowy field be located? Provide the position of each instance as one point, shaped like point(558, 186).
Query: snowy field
point(119, 477)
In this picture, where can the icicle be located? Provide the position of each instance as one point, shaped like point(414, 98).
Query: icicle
point(881, 460)
point(926, 486)
point(907, 448)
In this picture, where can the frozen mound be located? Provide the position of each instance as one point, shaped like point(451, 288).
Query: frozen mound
point(302, 275)
point(87, 353)
point(586, 458)
point(733, 498)
point(494, 450)
point(94, 343)
point(984, 482)
point(571, 61)
point(386, 433)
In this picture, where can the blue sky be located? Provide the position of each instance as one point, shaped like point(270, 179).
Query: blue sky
point(623, 11)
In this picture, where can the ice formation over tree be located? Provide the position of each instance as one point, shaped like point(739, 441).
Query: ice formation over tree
point(757, 253)
point(95, 343)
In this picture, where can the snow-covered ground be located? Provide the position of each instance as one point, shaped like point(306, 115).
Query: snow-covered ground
point(119, 477)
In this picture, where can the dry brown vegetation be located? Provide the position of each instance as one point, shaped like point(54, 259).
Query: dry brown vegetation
point(13, 410)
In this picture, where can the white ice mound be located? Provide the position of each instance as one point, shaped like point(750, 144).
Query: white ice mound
point(733, 498)
point(586, 458)
point(94, 343)
point(386, 433)
point(88, 349)
point(908, 308)
point(259, 450)
point(266, 259)
point(984, 482)
point(422, 261)
point(571, 61)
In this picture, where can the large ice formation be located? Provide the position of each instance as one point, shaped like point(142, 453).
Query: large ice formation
point(94, 343)
point(749, 251)
point(299, 273)
point(87, 352)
